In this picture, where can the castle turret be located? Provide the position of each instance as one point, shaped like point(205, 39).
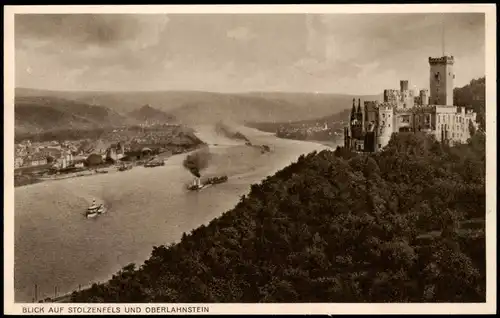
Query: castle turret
point(424, 97)
point(359, 112)
point(353, 111)
point(403, 85)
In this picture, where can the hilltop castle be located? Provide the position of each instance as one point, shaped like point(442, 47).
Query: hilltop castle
point(371, 127)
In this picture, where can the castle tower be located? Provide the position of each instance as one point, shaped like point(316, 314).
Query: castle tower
point(424, 97)
point(403, 85)
point(441, 80)
point(384, 126)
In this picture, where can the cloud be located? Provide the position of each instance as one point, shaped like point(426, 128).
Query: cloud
point(345, 53)
point(90, 29)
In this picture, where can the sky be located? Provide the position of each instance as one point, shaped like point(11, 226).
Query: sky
point(328, 53)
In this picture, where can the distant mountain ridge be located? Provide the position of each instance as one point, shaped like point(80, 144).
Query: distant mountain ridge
point(182, 104)
point(150, 114)
point(42, 110)
point(46, 113)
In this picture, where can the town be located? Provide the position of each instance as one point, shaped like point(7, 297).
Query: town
point(322, 129)
point(314, 131)
point(148, 145)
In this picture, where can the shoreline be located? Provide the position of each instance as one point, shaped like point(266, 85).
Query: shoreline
point(66, 297)
point(285, 152)
point(88, 172)
point(329, 143)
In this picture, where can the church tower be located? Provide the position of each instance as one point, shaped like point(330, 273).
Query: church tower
point(441, 80)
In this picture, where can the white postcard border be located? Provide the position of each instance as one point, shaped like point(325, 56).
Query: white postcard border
point(318, 308)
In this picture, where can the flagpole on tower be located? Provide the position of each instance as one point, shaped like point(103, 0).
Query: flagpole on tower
point(442, 38)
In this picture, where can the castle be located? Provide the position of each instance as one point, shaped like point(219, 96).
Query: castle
point(370, 128)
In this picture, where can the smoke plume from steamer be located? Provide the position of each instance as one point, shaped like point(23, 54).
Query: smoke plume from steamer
point(224, 130)
point(197, 161)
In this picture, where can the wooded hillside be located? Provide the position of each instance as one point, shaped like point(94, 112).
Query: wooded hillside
point(402, 225)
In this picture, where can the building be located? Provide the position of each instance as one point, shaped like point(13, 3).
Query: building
point(37, 159)
point(53, 152)
point(115, 152)
point(65, 159)
point(432, 111)
point(18, 162)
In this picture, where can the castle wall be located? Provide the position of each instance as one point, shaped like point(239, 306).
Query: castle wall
point(391, 96)
point(371, 115)
point(454, 121)
point(404, 121)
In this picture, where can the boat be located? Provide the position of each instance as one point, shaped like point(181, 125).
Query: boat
point(197, 185)
point(125, 167)
point(95, 209)
point(216, 180)
point(154, 163)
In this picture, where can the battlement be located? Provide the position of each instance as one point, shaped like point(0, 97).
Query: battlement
point(387, 106)
point(423, 109)
point(441, 60)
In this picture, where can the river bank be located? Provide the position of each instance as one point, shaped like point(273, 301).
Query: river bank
point(25, 179)
point(56, 246)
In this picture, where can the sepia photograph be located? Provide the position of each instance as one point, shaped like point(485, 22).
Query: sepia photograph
point(230, 156)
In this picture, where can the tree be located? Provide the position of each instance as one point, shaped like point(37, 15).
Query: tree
point(383, 227)
point(93, 160)
point(472, 128)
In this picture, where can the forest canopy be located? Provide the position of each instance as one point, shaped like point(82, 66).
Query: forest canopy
point(473, 95)
point(402, 225)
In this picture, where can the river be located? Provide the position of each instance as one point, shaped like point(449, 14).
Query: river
point(56, 246)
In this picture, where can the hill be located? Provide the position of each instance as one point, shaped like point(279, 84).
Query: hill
point(193, 107)
point(393, 226)
point(35, 114)
point(151, 115)
point(337, 121)
point(473, 95)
